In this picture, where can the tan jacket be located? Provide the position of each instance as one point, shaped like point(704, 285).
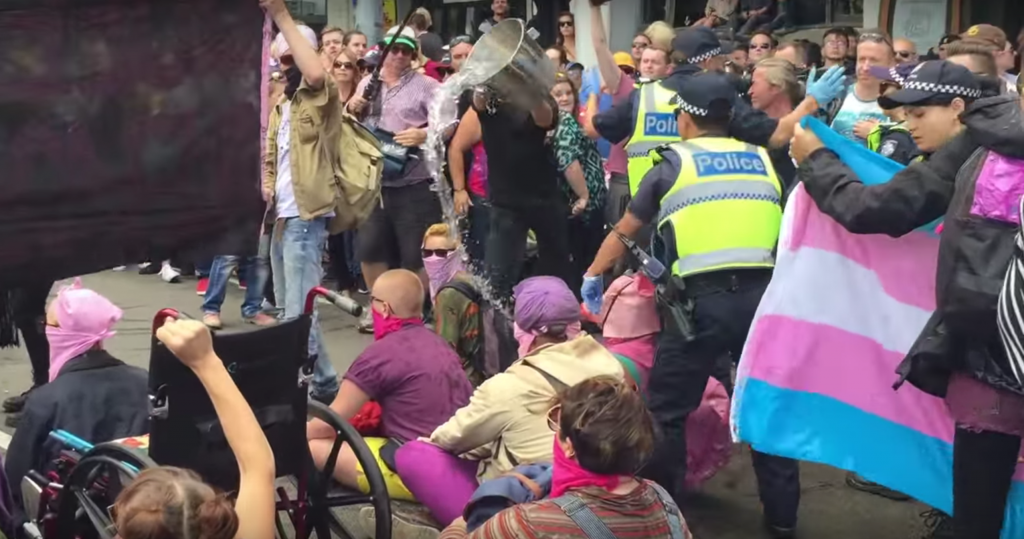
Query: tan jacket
point(315, 130)
point(505, 423)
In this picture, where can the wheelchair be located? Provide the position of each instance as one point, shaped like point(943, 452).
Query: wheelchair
point(272, 368)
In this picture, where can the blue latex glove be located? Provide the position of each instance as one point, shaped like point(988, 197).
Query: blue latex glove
point(828, 87)
point(593, 293)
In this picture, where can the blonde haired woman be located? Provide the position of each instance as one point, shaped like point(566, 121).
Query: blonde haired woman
point(661, 34)
point(456, 299)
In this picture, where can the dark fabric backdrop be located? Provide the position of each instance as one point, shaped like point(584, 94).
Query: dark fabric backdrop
point(127, 127)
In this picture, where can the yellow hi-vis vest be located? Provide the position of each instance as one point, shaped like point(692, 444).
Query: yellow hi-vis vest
point(724, 208)
point(654, 125)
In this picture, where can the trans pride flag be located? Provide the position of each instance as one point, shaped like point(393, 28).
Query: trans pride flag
point(815, 379)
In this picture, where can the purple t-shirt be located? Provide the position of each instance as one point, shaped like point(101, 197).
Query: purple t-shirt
point(416, 377)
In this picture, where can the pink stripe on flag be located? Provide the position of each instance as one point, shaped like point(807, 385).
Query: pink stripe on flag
point(847, 367)
point(904, 266)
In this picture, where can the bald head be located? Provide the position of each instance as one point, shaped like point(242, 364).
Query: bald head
point(905, 50)
point(402, 290)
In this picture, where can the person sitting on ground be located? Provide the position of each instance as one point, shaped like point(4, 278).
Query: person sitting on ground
point(170, 502)
point(630, 324)
point(90, 393)
point(504, 424)
point(603, 433)
point(456, 313)
point(415, 376)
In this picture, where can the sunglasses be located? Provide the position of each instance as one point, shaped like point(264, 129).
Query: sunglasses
point(760, 46)
point(459, 40)
point(640, 45)
point(440, 253)
point(401, 50)
point(564, 24)
point(904, 54)
point(344, 65)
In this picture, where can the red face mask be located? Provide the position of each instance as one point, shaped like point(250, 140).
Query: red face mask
point(386, 325)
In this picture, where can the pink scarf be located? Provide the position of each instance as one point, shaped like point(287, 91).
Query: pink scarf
point(84, 319)
point(441, 270)
point(567, 474)
point(526, 338)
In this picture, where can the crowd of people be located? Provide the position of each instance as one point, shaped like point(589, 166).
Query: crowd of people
point(662, 171)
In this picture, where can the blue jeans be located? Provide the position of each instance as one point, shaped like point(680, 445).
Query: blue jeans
point(296, 258)
point(253, 270)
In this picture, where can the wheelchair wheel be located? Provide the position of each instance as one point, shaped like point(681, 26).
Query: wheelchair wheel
point(83, 502)
point(319, 496)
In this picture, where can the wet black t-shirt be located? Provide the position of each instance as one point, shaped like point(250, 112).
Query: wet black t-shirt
point(521, 168)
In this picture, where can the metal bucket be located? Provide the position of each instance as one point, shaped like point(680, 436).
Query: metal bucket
point(511, 63)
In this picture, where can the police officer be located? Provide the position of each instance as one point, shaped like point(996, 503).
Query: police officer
point(893, 139)
point(716, 203)
point(646, 118)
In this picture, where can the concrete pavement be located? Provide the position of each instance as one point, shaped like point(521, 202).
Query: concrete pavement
point(726, 508)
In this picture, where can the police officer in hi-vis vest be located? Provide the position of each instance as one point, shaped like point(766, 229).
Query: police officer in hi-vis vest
point(647, 118)
point(716, 204)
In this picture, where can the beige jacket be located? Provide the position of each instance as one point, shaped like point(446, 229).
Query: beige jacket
point(315, 132)
point(505, 423)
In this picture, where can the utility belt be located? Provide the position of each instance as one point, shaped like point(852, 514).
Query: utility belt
point(676, 296)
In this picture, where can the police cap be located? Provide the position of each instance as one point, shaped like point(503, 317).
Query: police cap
point(704, 94)
point(697, 44)
point(935, 82)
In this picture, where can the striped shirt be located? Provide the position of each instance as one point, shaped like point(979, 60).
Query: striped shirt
point(636, 515)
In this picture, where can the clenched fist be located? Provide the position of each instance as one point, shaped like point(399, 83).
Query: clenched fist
point(189, 340)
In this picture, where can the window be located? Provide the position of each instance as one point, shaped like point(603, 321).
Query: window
point(828, 13)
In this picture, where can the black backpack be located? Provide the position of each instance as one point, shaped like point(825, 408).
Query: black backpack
point(499, 348)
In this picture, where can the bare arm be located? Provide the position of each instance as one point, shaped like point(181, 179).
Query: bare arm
point(347, 404)
point(588, 118)
point(191, 342)
point(577, 181)
point(610, 73)
point(306, 57)
point(466, 135)
point(784, 132)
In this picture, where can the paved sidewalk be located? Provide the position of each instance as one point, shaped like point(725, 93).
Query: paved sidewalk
point(727, 508)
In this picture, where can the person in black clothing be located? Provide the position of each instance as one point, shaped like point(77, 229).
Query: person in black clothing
point(523, 189)
point(959, 122)
point(92, 394)
point(754, 14)
point(430, 43)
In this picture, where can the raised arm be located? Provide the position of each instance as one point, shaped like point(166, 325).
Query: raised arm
point(610, 73)
point(191, 342)
point(306, 57)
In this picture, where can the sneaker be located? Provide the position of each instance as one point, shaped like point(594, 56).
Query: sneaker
point(402, 525)
point(17, 403)
point(366, 322)
point(939, 525)
point(118, 268)
point(859, 483)
point(202, 286)
point(778, 532)
point(12, 420)
point(242, 285)
point(261, 320)
point(212, 321)
point(148, 268)
point(169, 274)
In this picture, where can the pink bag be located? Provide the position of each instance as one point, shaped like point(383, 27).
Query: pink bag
point(708, 441)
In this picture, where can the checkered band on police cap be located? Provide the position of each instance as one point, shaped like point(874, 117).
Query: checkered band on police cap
point(949, 89)
point(896, 77)
point(706, 56)
point(692, 110)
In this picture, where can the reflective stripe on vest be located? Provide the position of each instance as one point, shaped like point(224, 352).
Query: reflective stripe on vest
point(724, 208)
point(654, 126)
point(874, 140)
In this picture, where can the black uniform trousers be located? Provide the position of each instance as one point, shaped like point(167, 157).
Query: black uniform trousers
point(725, 302)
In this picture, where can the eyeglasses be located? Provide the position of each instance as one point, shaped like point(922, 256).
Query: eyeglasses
point(835, 42)
point(904, 54)
point(441, 253)
point(344, 65)
point(640, 45)
point(760, 46)
point(628, 71)
point(565, 24)
point(554, 417)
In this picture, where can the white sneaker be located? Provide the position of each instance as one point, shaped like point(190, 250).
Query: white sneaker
point(118, 268)
point(169, 274)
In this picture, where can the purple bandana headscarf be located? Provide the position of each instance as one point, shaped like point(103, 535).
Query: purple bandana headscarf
point(543, 303)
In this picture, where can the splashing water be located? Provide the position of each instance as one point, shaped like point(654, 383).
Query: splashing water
point(442, 117)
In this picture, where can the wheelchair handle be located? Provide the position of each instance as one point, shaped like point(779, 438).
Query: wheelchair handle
point(348, 305)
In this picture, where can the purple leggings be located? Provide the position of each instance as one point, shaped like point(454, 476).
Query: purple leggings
point(442, 482)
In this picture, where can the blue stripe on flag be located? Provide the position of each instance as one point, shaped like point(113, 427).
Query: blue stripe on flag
point(816, 428)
